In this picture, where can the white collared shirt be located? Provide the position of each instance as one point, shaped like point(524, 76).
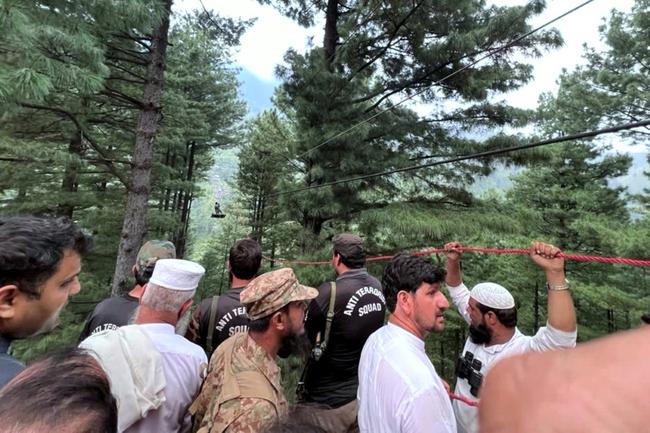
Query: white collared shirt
point(399, 389)
point(546, 338)
point(184, 365)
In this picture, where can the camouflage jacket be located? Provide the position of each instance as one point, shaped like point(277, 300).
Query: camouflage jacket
point(242, 393)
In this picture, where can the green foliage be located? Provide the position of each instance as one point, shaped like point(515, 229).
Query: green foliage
point(339, 103)
point(67, 126)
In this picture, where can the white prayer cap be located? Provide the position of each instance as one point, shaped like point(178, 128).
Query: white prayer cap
point(177, 274)
point(493, 295)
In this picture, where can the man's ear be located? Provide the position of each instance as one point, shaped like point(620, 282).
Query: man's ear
point(279, 321)
point(490, 318)
point(144, 289)
point(404, 301)
point(8, 295)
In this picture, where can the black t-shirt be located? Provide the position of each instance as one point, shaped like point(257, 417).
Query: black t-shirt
point(231, 318)
point(111, 313)
point(359, 310)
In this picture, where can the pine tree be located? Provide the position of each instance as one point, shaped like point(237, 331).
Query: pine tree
point(376, 53)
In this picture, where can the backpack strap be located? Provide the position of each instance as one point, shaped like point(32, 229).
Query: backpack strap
point(330, 316)
point(213, 318)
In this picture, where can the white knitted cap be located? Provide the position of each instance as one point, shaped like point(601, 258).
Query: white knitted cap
point(493, 295)
point(177, 274)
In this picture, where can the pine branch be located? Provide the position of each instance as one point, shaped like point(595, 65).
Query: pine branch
point(112, 93)
point(105, 159)
point(391, 38)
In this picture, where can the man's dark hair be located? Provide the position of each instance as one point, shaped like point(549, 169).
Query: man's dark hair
point(245, 258)
point(142, 276)
point(646, 318)
point(407, 272)
point(31, 249)
point(354, 260)
point(507, 317)
point(65, 388)
point(262, 324)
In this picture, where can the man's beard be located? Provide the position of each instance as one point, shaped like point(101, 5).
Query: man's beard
point(480, 334)
point(294, 345)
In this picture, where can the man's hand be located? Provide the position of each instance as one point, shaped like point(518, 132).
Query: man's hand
point(453, 252)
point(454, 277)
point(545, 256)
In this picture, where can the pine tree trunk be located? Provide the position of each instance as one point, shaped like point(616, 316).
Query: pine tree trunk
point(186, 204)
point(331, 33)
point(138, 193)
point(69, 183)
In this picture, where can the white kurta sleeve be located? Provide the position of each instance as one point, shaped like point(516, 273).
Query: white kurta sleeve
point(460, 298)
point(550, 338)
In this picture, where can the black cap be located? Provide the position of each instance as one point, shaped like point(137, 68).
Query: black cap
point(349, 246)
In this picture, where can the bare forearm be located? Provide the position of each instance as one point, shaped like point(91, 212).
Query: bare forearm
point(561, 311)
point(454, 276)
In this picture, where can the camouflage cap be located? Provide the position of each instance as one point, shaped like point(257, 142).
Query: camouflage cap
point(152, 251)
point(273, 290)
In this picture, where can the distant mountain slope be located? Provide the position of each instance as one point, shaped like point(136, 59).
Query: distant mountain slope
point(635, 180)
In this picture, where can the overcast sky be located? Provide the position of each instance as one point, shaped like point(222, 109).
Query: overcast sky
point(264, 44)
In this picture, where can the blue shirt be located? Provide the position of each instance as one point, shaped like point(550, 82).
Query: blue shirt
point(9, 366)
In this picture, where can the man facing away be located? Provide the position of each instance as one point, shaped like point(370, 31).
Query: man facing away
point(219, 317)
point(155, 373)
point(490, 311)
point(118, 311)
point(399, 389)
point(358, 309)
point(40, 261)
point(243, 390)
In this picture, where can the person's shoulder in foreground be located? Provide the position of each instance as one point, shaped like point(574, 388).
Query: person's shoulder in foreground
point(66, 392)
point(599, 387)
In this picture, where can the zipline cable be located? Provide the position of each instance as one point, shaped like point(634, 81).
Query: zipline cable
point(454, 73)
point(560, 139)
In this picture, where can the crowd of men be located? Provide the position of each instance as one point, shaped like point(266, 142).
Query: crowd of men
point(134, 372)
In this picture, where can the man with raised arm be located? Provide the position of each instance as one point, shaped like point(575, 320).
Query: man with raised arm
point(491, 312)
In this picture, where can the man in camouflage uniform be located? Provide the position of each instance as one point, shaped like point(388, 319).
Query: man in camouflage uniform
point(243, 393)
point(117, 311)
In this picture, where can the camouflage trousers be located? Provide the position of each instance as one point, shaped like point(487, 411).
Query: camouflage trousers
point(338, 420)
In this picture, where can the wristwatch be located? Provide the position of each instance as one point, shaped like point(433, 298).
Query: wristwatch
point(561, 286)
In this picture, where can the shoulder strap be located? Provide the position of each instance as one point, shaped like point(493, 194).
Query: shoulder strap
point(213, 318)
point(330, 315)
